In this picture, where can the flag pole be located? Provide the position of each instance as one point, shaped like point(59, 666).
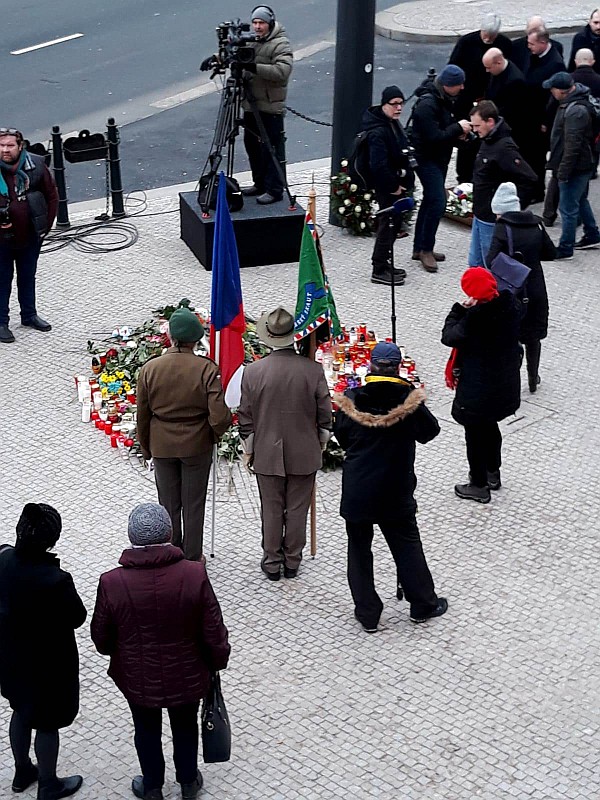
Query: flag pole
point(312, 349)
point(214, 465)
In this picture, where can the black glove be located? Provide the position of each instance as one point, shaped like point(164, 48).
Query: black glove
point(207, 64)
point(250, 68)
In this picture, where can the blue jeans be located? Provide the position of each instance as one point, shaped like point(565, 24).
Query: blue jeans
point(574, 207)
point(26, 259)
point(481, 239)
point(433, 204)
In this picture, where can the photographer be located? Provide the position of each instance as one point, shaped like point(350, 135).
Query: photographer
point(28, 205)
point(265, 79)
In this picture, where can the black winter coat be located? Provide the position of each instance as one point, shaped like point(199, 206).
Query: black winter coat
point(467, 54)
point(520, 53)
point(532, 245)
point(39, 664)
point(587, 76)
point(489, 359)
point(538, 71)
point(585, 38)
point(377, 425)
point(435, 130)
point(388, 164)
point(509, 92)
point(499, 160)
point(571, 137)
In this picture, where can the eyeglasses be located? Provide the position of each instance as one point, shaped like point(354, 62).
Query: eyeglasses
point(397, 104)
point(9, 131)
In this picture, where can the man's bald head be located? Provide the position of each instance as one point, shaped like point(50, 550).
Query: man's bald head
point(584, 58)
point(533, 23)
point(494, 61)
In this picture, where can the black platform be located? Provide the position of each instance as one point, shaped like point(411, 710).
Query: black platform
point(264, 234)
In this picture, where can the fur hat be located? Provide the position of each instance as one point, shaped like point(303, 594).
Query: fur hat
point(149, 523)
point(506, 199)
point(479, 283)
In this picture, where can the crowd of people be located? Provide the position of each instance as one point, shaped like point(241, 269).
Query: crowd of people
point(504, 105)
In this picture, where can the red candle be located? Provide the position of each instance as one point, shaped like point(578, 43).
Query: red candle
point(100, 424)
point(108, 428)
point(113, 440)
point(128, 442)
point(94, 416)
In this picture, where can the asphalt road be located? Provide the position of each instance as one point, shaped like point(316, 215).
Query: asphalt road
point(138, 60)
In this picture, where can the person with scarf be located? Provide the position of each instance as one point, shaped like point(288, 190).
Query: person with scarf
point(484, 369)
point(28, 206)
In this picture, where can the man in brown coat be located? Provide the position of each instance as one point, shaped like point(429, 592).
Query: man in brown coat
point(181, 412)
point(285, 418)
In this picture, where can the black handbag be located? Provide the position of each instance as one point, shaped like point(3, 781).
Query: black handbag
point(216, 731)
point(510, 273)
point(235, 198)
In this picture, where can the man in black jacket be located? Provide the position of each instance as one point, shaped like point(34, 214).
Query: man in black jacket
point(572, 161)
point(507, 89)
point(498, 160)
point(391, 174)
point(378, 426)
point(589, 37)
point(467, 54)
point(585, 72)
point(544, 62)
point(435, 131)
point(28, 205)
point(520, 53)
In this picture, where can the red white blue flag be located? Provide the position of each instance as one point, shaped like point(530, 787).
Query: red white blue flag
point(227, 321)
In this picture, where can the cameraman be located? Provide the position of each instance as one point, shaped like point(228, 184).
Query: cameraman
point(266, 80)
point(28, 205)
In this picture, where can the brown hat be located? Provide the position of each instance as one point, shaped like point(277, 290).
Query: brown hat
point(276, 328)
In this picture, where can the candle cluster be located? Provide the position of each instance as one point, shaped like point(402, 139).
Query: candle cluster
point(115, 417)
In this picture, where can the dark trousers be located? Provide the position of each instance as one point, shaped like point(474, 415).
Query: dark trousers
point(484, 449)
point(403, 539)
point(147, 723)
point(181, 484)
point(433, 204)
point(264, 173)
point(46, 746)
point(386, 235)
point(25, 259)
point(533, 352)
point(535, 147)
point(551, 200)
point(284, 504)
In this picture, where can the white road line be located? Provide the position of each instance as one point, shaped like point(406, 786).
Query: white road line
point(45, 44)
point(208, 88)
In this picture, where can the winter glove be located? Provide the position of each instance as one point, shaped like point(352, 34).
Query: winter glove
point(250, 68)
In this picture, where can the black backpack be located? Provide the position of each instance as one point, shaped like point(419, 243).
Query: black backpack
point(358, 163)
point(593, 106)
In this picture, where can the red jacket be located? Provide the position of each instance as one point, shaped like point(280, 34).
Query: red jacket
point(158, 619)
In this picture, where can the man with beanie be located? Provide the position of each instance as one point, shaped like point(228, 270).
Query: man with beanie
point(28, 205)
point(158, 619)
point(266, 80)
point(435, 131)
point(497, 159)
point(39, 664)
point(181, 413)
point(573, 162)
point(392, 177)
point(285, 421)
point(521, 232)
point(378, 425)
point(484, 334)
point(468, 54)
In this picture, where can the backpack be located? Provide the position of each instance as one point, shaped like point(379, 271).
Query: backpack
point(510, 273)
point(358, 163)
point(593, 106)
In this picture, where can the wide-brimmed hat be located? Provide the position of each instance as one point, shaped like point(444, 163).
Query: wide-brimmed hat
point(276, 328)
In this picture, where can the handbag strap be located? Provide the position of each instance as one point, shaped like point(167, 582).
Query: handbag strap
point(509, 236)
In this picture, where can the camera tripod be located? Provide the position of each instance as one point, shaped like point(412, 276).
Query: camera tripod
point(227, 128)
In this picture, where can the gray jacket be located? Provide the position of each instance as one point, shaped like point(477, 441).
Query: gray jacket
point(571, 137)
point(274, 60)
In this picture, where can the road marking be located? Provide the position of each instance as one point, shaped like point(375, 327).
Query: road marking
point(208, 88)
point(45, 44)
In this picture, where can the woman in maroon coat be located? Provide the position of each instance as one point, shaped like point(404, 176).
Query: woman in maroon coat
point(159, 620)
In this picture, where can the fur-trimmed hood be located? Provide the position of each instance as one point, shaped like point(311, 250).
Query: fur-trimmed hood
point(370, 420)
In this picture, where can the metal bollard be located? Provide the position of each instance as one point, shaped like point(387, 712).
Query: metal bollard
point(58, 167)
point(114, 165)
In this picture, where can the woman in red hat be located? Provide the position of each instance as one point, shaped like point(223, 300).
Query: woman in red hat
point(484, 368)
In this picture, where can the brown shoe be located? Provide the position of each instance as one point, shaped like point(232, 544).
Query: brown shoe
point(416, 256)
point(428, 261)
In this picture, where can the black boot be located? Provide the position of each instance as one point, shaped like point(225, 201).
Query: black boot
point(533, 351)
point(24, 777)
point(55, 788)
point(189, 791)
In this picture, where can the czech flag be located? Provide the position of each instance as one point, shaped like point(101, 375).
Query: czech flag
point(227, 321)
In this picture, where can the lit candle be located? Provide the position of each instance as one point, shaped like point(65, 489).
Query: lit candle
point(108, 428)
point(113, 440)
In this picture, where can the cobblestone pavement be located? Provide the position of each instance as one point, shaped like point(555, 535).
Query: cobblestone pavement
point(444, 20)
point(497, 699)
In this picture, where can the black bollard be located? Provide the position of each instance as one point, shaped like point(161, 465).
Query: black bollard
point(353, 84)
point(58, 167)
point(114, 166)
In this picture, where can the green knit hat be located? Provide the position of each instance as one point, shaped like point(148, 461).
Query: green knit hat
point(185, 327)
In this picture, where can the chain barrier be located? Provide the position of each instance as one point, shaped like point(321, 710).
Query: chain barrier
point(309, 119)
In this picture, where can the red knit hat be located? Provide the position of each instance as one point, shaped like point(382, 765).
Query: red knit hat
point(478, 282)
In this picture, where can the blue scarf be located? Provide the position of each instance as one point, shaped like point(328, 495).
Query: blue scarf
point(22, 182)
